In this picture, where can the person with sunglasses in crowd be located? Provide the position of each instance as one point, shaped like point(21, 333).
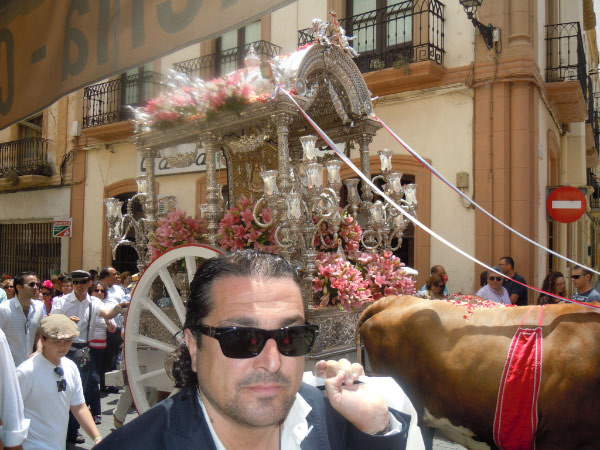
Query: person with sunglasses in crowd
point(82, 309)
point(20, 316)
point(582, 281)
point(434, 289)
point(493, 290)
point(8, 286)
point(97, 348)
point(51, 387)
point(240, 373)
point(46, 296)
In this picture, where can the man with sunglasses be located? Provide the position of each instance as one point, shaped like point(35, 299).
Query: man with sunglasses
point(83, 310)
point(20, 317)
point(240, 373)
point(51, 387)
point(582, 281)
point(493, 290)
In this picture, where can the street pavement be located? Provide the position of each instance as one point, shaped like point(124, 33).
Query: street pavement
point(109, 403)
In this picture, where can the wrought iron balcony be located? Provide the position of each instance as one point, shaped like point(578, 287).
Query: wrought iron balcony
point(394, 36)
point(565, 56)
point(106, 103)
point(216, 64)
point(25, 157)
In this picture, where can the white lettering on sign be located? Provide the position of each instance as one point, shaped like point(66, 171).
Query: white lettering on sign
point(566, 204)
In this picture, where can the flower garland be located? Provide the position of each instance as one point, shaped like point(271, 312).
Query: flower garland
point(238, 230)
point(349, 236)
point(340, 283)
point(175, 229)
point(351, 284)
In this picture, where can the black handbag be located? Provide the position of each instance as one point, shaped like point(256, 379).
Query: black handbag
point(82, 356)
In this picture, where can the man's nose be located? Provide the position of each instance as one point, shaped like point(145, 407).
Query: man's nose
point(270, 358)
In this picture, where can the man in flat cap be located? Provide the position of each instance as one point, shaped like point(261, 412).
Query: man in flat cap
point(51, 387)
point(83, 310)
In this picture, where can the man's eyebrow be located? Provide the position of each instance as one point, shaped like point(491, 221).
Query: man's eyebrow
point(252, 322)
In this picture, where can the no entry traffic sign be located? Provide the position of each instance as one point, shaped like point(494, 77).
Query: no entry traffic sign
point(566, 204)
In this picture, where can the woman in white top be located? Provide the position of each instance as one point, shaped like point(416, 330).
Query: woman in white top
point(97, 347)
point(493, 290)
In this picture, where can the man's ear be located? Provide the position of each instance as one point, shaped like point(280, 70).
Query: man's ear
point(192, 346)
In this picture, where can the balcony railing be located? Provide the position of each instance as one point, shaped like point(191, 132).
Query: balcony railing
point(25, 157)
point(565, 56)
point(213, 65)
point(106, 103)
point(400, 34)
point(594, 181)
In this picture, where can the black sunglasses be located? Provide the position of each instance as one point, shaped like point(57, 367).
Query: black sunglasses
point(575, 277)
point(247, 342)
point(33, 284)
point(99, 290)
point(81, 281)
point(495, 278)
point(61, 384)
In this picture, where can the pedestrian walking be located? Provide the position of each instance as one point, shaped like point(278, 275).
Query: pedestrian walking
point(51, 388)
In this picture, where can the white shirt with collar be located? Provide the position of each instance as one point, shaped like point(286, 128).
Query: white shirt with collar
point(295, 427)
point(69, 305)
point(20, 330)
point(115, 295)
point(13, 430)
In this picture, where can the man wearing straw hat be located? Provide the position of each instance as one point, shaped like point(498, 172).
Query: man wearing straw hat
point(51, 387)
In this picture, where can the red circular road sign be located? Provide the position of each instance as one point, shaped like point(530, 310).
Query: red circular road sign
point(566, 204)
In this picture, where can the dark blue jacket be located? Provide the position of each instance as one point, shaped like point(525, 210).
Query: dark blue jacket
point(178, 423)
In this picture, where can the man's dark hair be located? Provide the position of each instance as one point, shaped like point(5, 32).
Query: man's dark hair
point(509, 260)
point(104, 273)
point(67, 279)
point(20, 279)
point(93, 273)
point(242, 263)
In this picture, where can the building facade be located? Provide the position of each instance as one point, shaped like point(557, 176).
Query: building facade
point(504, 122)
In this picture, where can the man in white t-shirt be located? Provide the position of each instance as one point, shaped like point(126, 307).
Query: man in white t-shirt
point(51, 387)
point(82, 309)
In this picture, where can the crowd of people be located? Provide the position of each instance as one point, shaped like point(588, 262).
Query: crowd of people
point(61, 335)
point(509, 288)
point(241, 388)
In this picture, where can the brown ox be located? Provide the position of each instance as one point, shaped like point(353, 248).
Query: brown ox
point(450, 367)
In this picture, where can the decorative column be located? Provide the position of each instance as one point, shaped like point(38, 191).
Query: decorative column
point(215, 210)
point(282, 121)
point(150, 206)
point(365, 163)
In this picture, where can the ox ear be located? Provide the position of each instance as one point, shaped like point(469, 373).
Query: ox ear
point(192, 346)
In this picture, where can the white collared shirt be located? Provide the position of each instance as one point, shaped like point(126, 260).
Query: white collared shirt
point(69, 305)
point(20, 330)
point(13, 430)
point(295, 427)
point(294, 431)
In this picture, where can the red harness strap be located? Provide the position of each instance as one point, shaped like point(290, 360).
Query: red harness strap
point(516, 418)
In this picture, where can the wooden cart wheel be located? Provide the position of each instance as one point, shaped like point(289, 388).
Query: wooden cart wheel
point(152, 333)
